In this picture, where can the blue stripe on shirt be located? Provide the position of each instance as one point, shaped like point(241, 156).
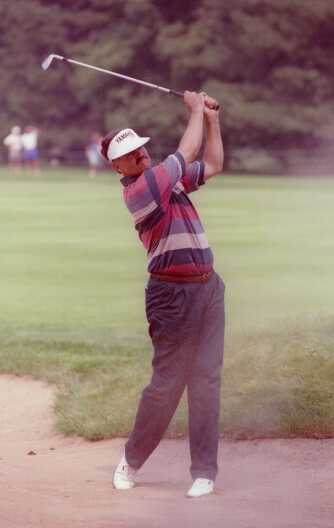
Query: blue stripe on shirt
point(181, 160)
point(152, 184)
point(150, 221)
point(201, 180)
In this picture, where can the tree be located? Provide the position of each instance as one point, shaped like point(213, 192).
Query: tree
point(269, 64)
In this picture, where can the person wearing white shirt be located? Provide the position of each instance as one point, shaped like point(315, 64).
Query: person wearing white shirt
point(30, 147)
point(13, 142)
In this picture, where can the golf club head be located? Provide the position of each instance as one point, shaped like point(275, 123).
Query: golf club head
point(47, 62)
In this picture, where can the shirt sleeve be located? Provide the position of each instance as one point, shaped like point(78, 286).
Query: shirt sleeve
point(162, 179)
point(193, 177)
point(149, 196)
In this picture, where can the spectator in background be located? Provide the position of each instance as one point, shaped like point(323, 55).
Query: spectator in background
point(13, 142)
point(93, 154)
point(30, 147)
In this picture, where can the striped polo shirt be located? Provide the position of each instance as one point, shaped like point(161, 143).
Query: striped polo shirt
point(166, 220)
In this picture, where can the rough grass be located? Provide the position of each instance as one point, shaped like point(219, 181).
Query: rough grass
point(71, 304)
point(97, 380)
point(275, 384)
point(281, 383)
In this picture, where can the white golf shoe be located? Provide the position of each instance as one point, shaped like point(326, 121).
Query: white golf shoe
point(200, 487)
point(124, 475)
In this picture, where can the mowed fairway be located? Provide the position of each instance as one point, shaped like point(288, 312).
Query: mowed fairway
point(73, 272)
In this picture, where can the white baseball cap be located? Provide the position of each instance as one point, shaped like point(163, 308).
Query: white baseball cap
point(124, 142)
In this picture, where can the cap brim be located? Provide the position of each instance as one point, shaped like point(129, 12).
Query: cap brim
point(128, 147)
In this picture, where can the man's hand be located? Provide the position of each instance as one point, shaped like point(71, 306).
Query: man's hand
point(211, 106)
point(194, 101)
point(210, 114)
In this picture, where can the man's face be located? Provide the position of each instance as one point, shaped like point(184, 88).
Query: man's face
point(133, 163)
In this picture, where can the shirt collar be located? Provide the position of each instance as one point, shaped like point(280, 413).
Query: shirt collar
point(127, 180)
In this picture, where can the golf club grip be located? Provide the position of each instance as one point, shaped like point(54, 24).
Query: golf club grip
point(180, 94)
point(174, 92)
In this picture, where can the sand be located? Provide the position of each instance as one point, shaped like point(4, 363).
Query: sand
point(48, 481)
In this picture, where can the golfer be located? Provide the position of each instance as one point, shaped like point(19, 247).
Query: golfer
point(184, 295)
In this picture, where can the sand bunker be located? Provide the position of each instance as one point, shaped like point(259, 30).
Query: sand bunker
point(47, 481)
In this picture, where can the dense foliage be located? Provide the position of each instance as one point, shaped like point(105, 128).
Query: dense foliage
point(268, 62)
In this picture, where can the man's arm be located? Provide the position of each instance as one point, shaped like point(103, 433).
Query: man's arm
point(213, 155)
point(151, 193)
point(192, 138)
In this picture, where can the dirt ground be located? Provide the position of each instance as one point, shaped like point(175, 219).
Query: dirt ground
point(66, 483)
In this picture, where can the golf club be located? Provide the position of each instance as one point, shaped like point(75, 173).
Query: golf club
point(47, 63)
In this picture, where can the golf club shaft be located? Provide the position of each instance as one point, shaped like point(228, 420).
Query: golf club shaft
point(47, 62)
point(125, 77)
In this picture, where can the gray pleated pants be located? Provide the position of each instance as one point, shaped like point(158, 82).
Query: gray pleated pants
point(186, 325)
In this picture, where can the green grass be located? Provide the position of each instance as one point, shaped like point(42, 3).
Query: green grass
point(72, 274)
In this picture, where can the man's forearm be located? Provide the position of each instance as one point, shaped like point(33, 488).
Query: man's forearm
point(192, 138)
point(213, 155)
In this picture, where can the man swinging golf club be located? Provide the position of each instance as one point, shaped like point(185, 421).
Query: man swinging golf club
point(184, 295)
